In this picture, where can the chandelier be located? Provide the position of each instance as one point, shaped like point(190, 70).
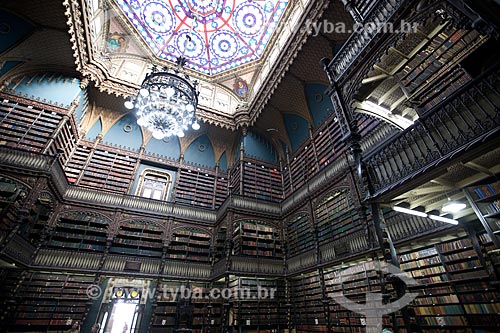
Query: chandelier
point(167, 101)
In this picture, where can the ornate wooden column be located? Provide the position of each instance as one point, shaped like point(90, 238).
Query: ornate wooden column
point(350, 135)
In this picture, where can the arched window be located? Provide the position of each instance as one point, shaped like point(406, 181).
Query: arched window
point(154, 185)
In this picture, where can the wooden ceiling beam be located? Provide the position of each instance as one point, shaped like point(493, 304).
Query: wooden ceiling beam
point(478, 168)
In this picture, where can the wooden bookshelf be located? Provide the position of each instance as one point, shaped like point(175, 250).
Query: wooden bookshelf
point(189, 244)
point(354, 282)
point(109, 170)
point(253, 238)
point(235, 178)
point(254, 310)
point(220, 244)
point(51, 301)
point(80, 232)
point(452, 286)
point(195, 187)
point(335, 217)
point(302, 164)
point(166, 307)
point(308, 309)
point(74, 166)
point(432, 69)
point(221, 190)
point(262, 181)
point(26, 126)
point(299, 235)
point(485, 200)
point(138, 238)
point(9, 205)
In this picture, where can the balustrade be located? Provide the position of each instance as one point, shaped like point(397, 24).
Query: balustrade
point(467, 117)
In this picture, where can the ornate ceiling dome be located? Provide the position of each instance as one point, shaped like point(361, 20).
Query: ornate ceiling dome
point(225, 34)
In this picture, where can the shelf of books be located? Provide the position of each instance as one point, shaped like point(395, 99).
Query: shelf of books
point(328, 142)
point(366, 124)
point(138, 238)
point(79, 232)
point(253, 238)
point(207, 307)
point(164, 313)
point(302, 164)
point(74, 166)
point(335, 216)
point(220, 243)
point(287, 183)
point(189, 244)
point(195, 187)
point(352, 283)
point(308, 311)
point(65, 141)
point(26, 126)
point(262, 181)
point(485, 199)
point(257, 304)
point(221, 190)
point(452, 286)
point(447, 46)
point(11, 278)
point(450, 82)
point(51, 301)
point(9, 192)
point(299, 235)
point(39, 215)
point(235, 177)
point(203, 304)
point(110, 170)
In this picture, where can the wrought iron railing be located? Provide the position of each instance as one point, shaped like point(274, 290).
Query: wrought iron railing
point(380, 13)
point(467, 118)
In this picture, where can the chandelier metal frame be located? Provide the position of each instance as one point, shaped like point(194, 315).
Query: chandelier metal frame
point(166, 102)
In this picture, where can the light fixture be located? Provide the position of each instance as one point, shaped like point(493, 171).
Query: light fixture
point(409, 211)
point(443, 219)
point(167, 100)
point(453, 206)
point(432, 214)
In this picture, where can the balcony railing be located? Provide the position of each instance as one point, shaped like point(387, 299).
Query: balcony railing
point(467, 118)
point(380, 13)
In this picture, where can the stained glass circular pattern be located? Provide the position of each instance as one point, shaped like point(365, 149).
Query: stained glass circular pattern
point(225, 33)
point(248, 19)
point(158, 17)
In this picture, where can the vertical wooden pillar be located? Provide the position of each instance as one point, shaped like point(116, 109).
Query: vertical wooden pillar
point(176, 183)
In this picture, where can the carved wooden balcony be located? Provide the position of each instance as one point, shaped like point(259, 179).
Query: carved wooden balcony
point(379, 13)
point(468, 118)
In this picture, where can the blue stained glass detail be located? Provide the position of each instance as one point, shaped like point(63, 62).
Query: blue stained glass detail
point(228, 32)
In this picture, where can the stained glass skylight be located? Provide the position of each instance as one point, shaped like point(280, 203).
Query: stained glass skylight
point(224, 34)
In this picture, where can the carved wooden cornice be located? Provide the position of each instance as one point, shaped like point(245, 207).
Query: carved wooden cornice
point(281, 67)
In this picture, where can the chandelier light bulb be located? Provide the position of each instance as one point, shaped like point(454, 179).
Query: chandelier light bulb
point(141, 122)
point(180, 134)
point(157, 134)
point(190, 107)
point(129, 104)
point(144, 92)
point(195, 126)
point(170, 92)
